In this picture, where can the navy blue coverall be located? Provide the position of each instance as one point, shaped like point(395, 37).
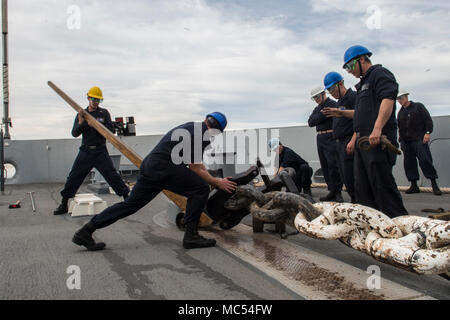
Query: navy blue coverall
point(93, 154)
point(343, 133)
point(375, 184)
point(303, 172)
point(159, 172)
point(413, 122)
point(326, 145)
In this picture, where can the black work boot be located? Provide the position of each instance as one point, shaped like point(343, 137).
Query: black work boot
point(193, 240)
point(83, 237)
point(435, 187)
point(413, 189)
point(62, 207)
point(338, 197)
point(331, 196)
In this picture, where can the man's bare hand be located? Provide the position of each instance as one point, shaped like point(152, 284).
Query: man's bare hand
point(81, 116)
point(426, 138)
point(351, 147)
point(332, 112)
point(226, 185)
point(375, 137)
point(89, 122)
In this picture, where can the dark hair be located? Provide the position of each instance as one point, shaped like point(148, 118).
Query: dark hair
point(213, 123)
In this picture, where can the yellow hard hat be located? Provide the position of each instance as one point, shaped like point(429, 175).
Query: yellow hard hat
point(95, 92)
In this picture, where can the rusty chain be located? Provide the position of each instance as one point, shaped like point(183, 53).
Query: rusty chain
point(364, 144)
point(417, 244)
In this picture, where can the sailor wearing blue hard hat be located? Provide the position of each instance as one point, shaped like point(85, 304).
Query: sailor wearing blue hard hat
point(159, 171)
point(374, 116)
point(342, 126)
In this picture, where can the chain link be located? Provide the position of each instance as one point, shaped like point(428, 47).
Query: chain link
point(414, 243)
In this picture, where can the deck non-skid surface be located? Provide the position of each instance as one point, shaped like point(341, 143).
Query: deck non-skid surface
point(144, 259)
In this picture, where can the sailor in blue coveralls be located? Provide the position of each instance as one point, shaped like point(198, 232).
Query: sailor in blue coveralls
point(93, 153)
point(415, 127)
point(342, 126)
point(326, 145)
point(374, 116)
point(175, 164)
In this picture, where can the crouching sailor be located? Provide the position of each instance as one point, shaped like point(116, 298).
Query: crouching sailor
point(169, 167)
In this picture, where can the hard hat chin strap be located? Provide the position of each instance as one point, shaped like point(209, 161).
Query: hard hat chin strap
point(339, 90)
point(360, 68)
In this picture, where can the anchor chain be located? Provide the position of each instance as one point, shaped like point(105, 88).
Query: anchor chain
point(364, 144)
point(417, 244)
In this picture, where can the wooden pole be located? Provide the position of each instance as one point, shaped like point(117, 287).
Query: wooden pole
point(115, 141)
point(135, 158)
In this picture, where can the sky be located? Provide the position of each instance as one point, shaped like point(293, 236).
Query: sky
point(169, 62)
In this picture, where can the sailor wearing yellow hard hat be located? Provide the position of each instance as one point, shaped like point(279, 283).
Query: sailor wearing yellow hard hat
point(93, 152)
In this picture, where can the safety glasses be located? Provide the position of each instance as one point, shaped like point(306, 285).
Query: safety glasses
point(350, 66)
point(96, 100)
point(317, 96)
point(333, 87)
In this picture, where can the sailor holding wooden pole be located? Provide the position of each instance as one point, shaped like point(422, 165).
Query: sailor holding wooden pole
point(93, 152)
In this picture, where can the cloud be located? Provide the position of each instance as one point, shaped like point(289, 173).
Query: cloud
point(167, 62)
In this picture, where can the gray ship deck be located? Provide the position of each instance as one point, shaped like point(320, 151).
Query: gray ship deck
point(144, 258)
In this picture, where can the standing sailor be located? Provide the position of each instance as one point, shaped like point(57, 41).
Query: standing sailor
point(374, 116)
point(415, 127)
point(342, 126)
point(326, 145)
point(93, 152)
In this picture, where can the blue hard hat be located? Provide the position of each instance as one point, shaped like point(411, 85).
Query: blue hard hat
point(355, 52)
point(274, 143)
point(331, 79)
point(220, 118)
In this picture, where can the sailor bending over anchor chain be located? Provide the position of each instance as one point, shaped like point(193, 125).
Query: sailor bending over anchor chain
point(288, 158)
point(186, 176)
